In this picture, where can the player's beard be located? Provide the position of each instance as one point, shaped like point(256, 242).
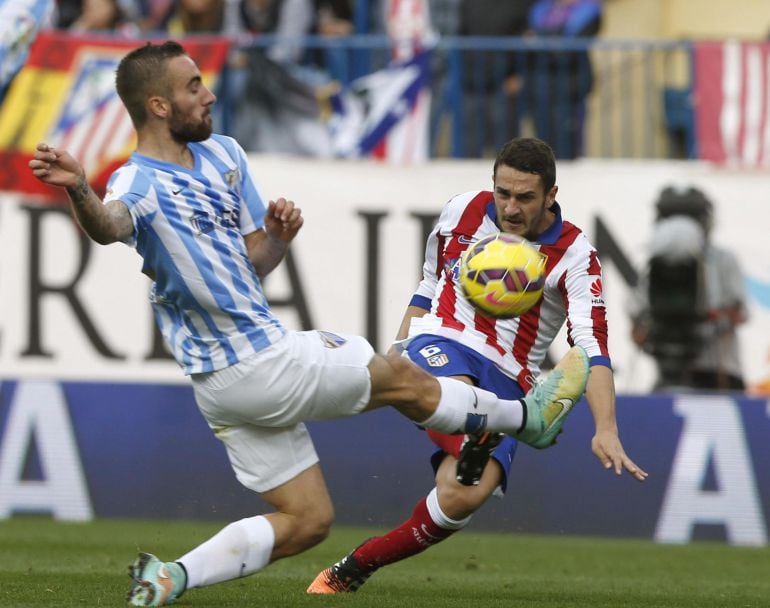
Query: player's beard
point(185, 129)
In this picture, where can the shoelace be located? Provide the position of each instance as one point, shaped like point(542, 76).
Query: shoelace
point(340, 580)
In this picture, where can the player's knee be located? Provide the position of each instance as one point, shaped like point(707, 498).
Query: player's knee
point(308, 530)
point(314, 532)
point(417, 386)
point(459, 502)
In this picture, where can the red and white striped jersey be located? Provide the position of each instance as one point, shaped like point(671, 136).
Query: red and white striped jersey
point(573, 292)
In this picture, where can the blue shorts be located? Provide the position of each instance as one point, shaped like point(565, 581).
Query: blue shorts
point(444, 357)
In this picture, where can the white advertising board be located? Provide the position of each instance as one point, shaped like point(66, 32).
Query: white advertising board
point(69, 311)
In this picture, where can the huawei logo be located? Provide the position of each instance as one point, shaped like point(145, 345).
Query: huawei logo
point(596, 293)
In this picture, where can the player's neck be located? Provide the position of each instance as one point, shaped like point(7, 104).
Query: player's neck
point(164, 148)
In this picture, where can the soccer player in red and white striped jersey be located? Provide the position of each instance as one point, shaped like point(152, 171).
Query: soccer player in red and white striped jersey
point(443, 333)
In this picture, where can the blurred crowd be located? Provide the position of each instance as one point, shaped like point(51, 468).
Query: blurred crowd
point(228, 17)
point(500, 89)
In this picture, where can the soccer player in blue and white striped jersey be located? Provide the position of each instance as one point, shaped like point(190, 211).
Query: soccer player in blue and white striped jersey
point(186, 202)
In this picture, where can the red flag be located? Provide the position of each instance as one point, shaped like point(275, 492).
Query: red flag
point(732, 102)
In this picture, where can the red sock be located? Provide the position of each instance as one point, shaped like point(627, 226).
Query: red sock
point(413, 536)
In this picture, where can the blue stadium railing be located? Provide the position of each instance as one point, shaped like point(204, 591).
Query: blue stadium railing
point(629, 99)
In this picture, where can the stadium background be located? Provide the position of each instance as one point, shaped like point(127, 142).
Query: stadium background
point(89, 404)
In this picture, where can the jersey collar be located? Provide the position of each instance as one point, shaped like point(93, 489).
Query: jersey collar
point(551, 234)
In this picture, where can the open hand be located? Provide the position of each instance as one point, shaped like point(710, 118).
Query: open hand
point(607, 448)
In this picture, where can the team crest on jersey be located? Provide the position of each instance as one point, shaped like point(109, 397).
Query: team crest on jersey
point(452, 269)
point(232, 179)
point(331, 340)
point(202, 223)
point(437, 360)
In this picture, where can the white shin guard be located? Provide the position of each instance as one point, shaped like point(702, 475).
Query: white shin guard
point(240, 548)
point(463, 408)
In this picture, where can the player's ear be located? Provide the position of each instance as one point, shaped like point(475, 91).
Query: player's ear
point(158, 106)
point(551, 196)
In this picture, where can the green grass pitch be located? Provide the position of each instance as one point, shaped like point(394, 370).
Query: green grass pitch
point(45, 563)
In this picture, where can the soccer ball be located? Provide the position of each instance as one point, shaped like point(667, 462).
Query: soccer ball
point(502, 275)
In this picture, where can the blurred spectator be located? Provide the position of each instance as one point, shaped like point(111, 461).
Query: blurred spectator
point(196, 16)
point(272, 92)
point(691, 299)
point(491, 79)
point(288, 20)
point(153, 14)
point(444, 21)
point(559, 81)
point(104, 16)
point(334, 19)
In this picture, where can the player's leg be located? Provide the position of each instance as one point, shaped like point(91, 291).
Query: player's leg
point(302, 517)
point(450, 406)
point(317, 375)
point(444, 511)
point(441, 356)
point(281, 465)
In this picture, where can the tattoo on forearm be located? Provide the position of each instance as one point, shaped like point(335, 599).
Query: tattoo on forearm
point(90, 213)
point(79, 193)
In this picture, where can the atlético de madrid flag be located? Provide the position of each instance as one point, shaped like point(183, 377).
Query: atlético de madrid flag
point(65, 95)
point(732, 102)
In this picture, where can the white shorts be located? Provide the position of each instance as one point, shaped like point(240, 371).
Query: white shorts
point(257, 406)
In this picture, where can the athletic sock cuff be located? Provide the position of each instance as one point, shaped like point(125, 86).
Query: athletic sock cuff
point(439, 517)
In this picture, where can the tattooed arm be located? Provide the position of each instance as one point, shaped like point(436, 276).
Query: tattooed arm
point(104, 223)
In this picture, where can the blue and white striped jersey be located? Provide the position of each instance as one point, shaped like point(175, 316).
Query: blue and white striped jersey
point(188, 228)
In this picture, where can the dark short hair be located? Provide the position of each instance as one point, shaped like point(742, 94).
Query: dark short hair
point(142, 73)
point(530, 155)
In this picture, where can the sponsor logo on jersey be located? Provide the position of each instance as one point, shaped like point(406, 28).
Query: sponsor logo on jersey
point(230, 218)
point(331, 340)
point(202, 223)
point(596, 292)
point(465, 240)
point(438, 360)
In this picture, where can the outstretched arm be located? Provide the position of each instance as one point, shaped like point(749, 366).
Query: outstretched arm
point(267, 247)
point(606, 445)
point(104, 223)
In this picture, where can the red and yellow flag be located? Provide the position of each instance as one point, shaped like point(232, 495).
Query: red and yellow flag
point(65, 95)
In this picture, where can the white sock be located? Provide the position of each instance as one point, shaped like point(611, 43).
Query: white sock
point(463, 408)
point(439, 517)
point(240, 548)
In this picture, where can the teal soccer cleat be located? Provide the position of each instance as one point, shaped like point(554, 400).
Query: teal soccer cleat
point(550, 400)
point(155, 583)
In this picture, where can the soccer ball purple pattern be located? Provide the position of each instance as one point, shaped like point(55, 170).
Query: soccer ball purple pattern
point(502, 275)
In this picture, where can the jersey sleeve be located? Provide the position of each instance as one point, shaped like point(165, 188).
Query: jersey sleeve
point(433, 264)
point(252, 199)
point(586, 310)
point(129, 186)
